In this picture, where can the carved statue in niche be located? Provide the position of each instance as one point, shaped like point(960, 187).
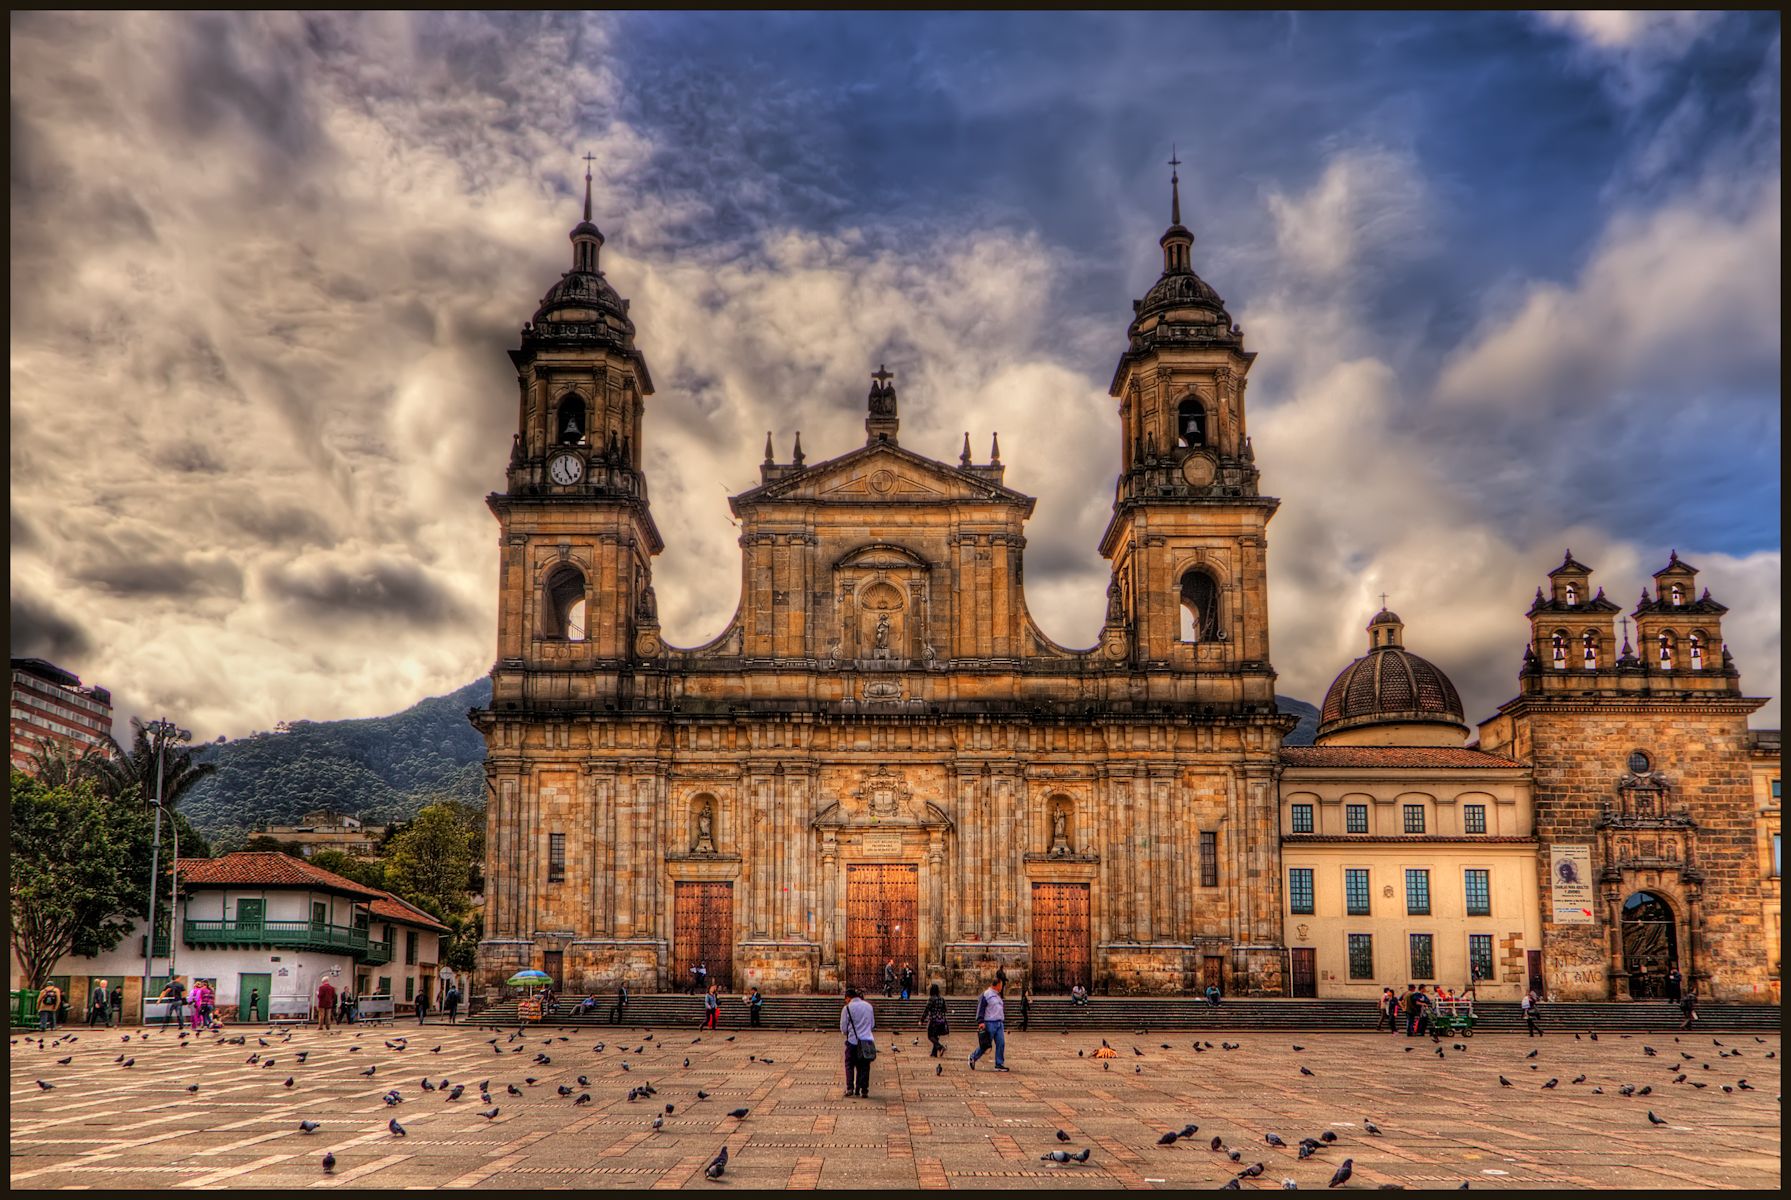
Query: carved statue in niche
point(705, 839)
point(1060, 829)
point(882, 635)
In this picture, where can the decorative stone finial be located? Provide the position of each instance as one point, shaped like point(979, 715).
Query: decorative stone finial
point(995, 450)
point(769, 456)
point(796, 456)
point(964, 456)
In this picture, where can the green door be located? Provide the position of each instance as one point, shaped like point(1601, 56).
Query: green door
point(250, 914)
point(251, 996)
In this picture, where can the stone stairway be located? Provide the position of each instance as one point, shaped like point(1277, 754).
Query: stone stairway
point(1152, 1013)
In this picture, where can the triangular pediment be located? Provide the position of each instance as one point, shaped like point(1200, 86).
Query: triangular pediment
point(882, 473)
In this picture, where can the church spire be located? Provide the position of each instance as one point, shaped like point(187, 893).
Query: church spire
point(1176, 241)
point(587, 239)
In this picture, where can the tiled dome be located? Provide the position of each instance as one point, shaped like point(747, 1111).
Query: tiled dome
point(1389, 685)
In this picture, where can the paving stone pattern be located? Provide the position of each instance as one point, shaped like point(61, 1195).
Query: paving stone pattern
point(1444, 1120)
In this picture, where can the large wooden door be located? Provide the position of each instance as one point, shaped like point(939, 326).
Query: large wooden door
point(1060, 952)
point(553, 963)
point(1305, 972)
point(882, 922)
point(703, 932)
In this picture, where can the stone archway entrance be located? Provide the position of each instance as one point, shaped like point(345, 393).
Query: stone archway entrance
point(1650, 944)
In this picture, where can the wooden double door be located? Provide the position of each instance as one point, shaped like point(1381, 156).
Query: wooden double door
point(703, 932)
point(882, 922)
point(1060, 942)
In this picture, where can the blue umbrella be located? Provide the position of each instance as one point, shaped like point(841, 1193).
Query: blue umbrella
point(530, 978)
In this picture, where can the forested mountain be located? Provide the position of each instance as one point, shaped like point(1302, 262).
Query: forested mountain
point(379, 768)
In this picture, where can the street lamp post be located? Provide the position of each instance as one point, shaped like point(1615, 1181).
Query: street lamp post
point(161, 729)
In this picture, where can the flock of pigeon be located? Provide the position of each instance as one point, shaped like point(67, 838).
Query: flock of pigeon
point(271, 1050)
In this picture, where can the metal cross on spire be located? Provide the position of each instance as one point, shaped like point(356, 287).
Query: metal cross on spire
point(1624, 621)
point(1383, 602)
point(589, 159)
point(882, 374)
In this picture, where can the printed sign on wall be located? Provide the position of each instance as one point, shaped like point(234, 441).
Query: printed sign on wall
point(1570, 884)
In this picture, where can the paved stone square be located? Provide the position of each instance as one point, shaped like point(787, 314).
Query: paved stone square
point(106, 1125)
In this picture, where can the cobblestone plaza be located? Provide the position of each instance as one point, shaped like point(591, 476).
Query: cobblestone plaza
point(1443, 1120)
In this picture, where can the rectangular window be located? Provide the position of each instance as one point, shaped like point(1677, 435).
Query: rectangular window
point(410, 988)
point(1423, 962)
point(1209, 860)
point(1302, 818)
point(1417, 892)
point(1775, 789)
point(1361, 956)
point(1299, 889)
point(1414, 818)
point(385, 985)
point(1479, 891)
point(320, 913)
point(1473, 818)
point(1355, 818)
point(1355, 891)
point(410, 950)
point(556, 857)
point(1480, 955)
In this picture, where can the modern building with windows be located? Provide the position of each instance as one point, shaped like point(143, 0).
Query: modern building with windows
point(1406, 857)
point(51, 708)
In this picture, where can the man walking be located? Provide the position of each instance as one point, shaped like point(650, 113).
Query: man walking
point(326, 1003)
point(711, 1006)
point(859, 1025)
point(453, 1002)
point(1688, 1006)
point(907, 981)
point(1531, 1028)
point(100, 1010)
point(991, 1020)
point(621, 1009)
point(753, 1005)
point(889, 979)
point(176, 993)
point(422, 1005)
point(48, 1001)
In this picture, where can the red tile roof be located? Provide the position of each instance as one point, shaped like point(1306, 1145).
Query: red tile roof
point(267, 868)
point(391, 908)
point(1425, 757)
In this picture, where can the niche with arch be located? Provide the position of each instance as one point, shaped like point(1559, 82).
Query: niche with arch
point(1191, 423)
point(1199, 594)
point(563, 604)
point(571, 420)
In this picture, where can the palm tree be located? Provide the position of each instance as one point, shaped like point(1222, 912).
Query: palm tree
point(132, 772)
point(57, 766)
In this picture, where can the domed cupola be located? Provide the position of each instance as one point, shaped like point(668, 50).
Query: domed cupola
point(582, 306)
point(1181, 307)
point(1391, 697)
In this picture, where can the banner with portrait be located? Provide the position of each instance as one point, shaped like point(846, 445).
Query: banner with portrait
point(1571, 885)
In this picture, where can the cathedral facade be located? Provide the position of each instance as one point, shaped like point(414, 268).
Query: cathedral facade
point(882, 760)
point(881, 757)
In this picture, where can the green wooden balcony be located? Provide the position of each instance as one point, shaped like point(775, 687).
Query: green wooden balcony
point(377, 954)
point(293, 935)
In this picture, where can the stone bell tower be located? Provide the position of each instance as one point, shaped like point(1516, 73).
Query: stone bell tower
point(577, 536)
point(1187, 539)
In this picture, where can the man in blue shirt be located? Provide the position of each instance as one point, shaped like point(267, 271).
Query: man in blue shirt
point(991, 1021)
point(859, 1025)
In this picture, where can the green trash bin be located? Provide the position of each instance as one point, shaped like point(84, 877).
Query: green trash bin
point(24, 1008)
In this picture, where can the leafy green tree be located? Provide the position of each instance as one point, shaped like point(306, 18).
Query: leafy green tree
point(368, 871)
point(431, 863)
point(79, 864)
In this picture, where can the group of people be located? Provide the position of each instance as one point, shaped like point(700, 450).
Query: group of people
point(858, 1026)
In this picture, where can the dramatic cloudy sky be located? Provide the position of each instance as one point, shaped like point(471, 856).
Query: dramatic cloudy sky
point(1514, 281)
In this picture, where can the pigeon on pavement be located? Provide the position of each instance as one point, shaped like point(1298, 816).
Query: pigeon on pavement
point(1343, 1173)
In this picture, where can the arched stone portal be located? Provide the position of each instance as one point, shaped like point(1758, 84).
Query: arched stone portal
point(1650, 943)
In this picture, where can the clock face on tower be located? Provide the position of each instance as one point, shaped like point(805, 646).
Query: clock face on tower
point(566, 468)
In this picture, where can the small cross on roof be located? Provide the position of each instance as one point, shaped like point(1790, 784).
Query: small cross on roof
point(882, 374)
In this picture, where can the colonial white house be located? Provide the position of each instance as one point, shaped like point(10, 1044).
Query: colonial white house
point(267, 928)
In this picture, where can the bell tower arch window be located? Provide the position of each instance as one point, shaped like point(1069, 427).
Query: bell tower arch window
point(1573, 595)
point(1678, 595)
point(1695, 649)
point(1590, 658)
point(1190, 423)
point(563, 613)
point(1559, 651)
point(1666, 650)
point(1200, 607)
point(570, 420)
